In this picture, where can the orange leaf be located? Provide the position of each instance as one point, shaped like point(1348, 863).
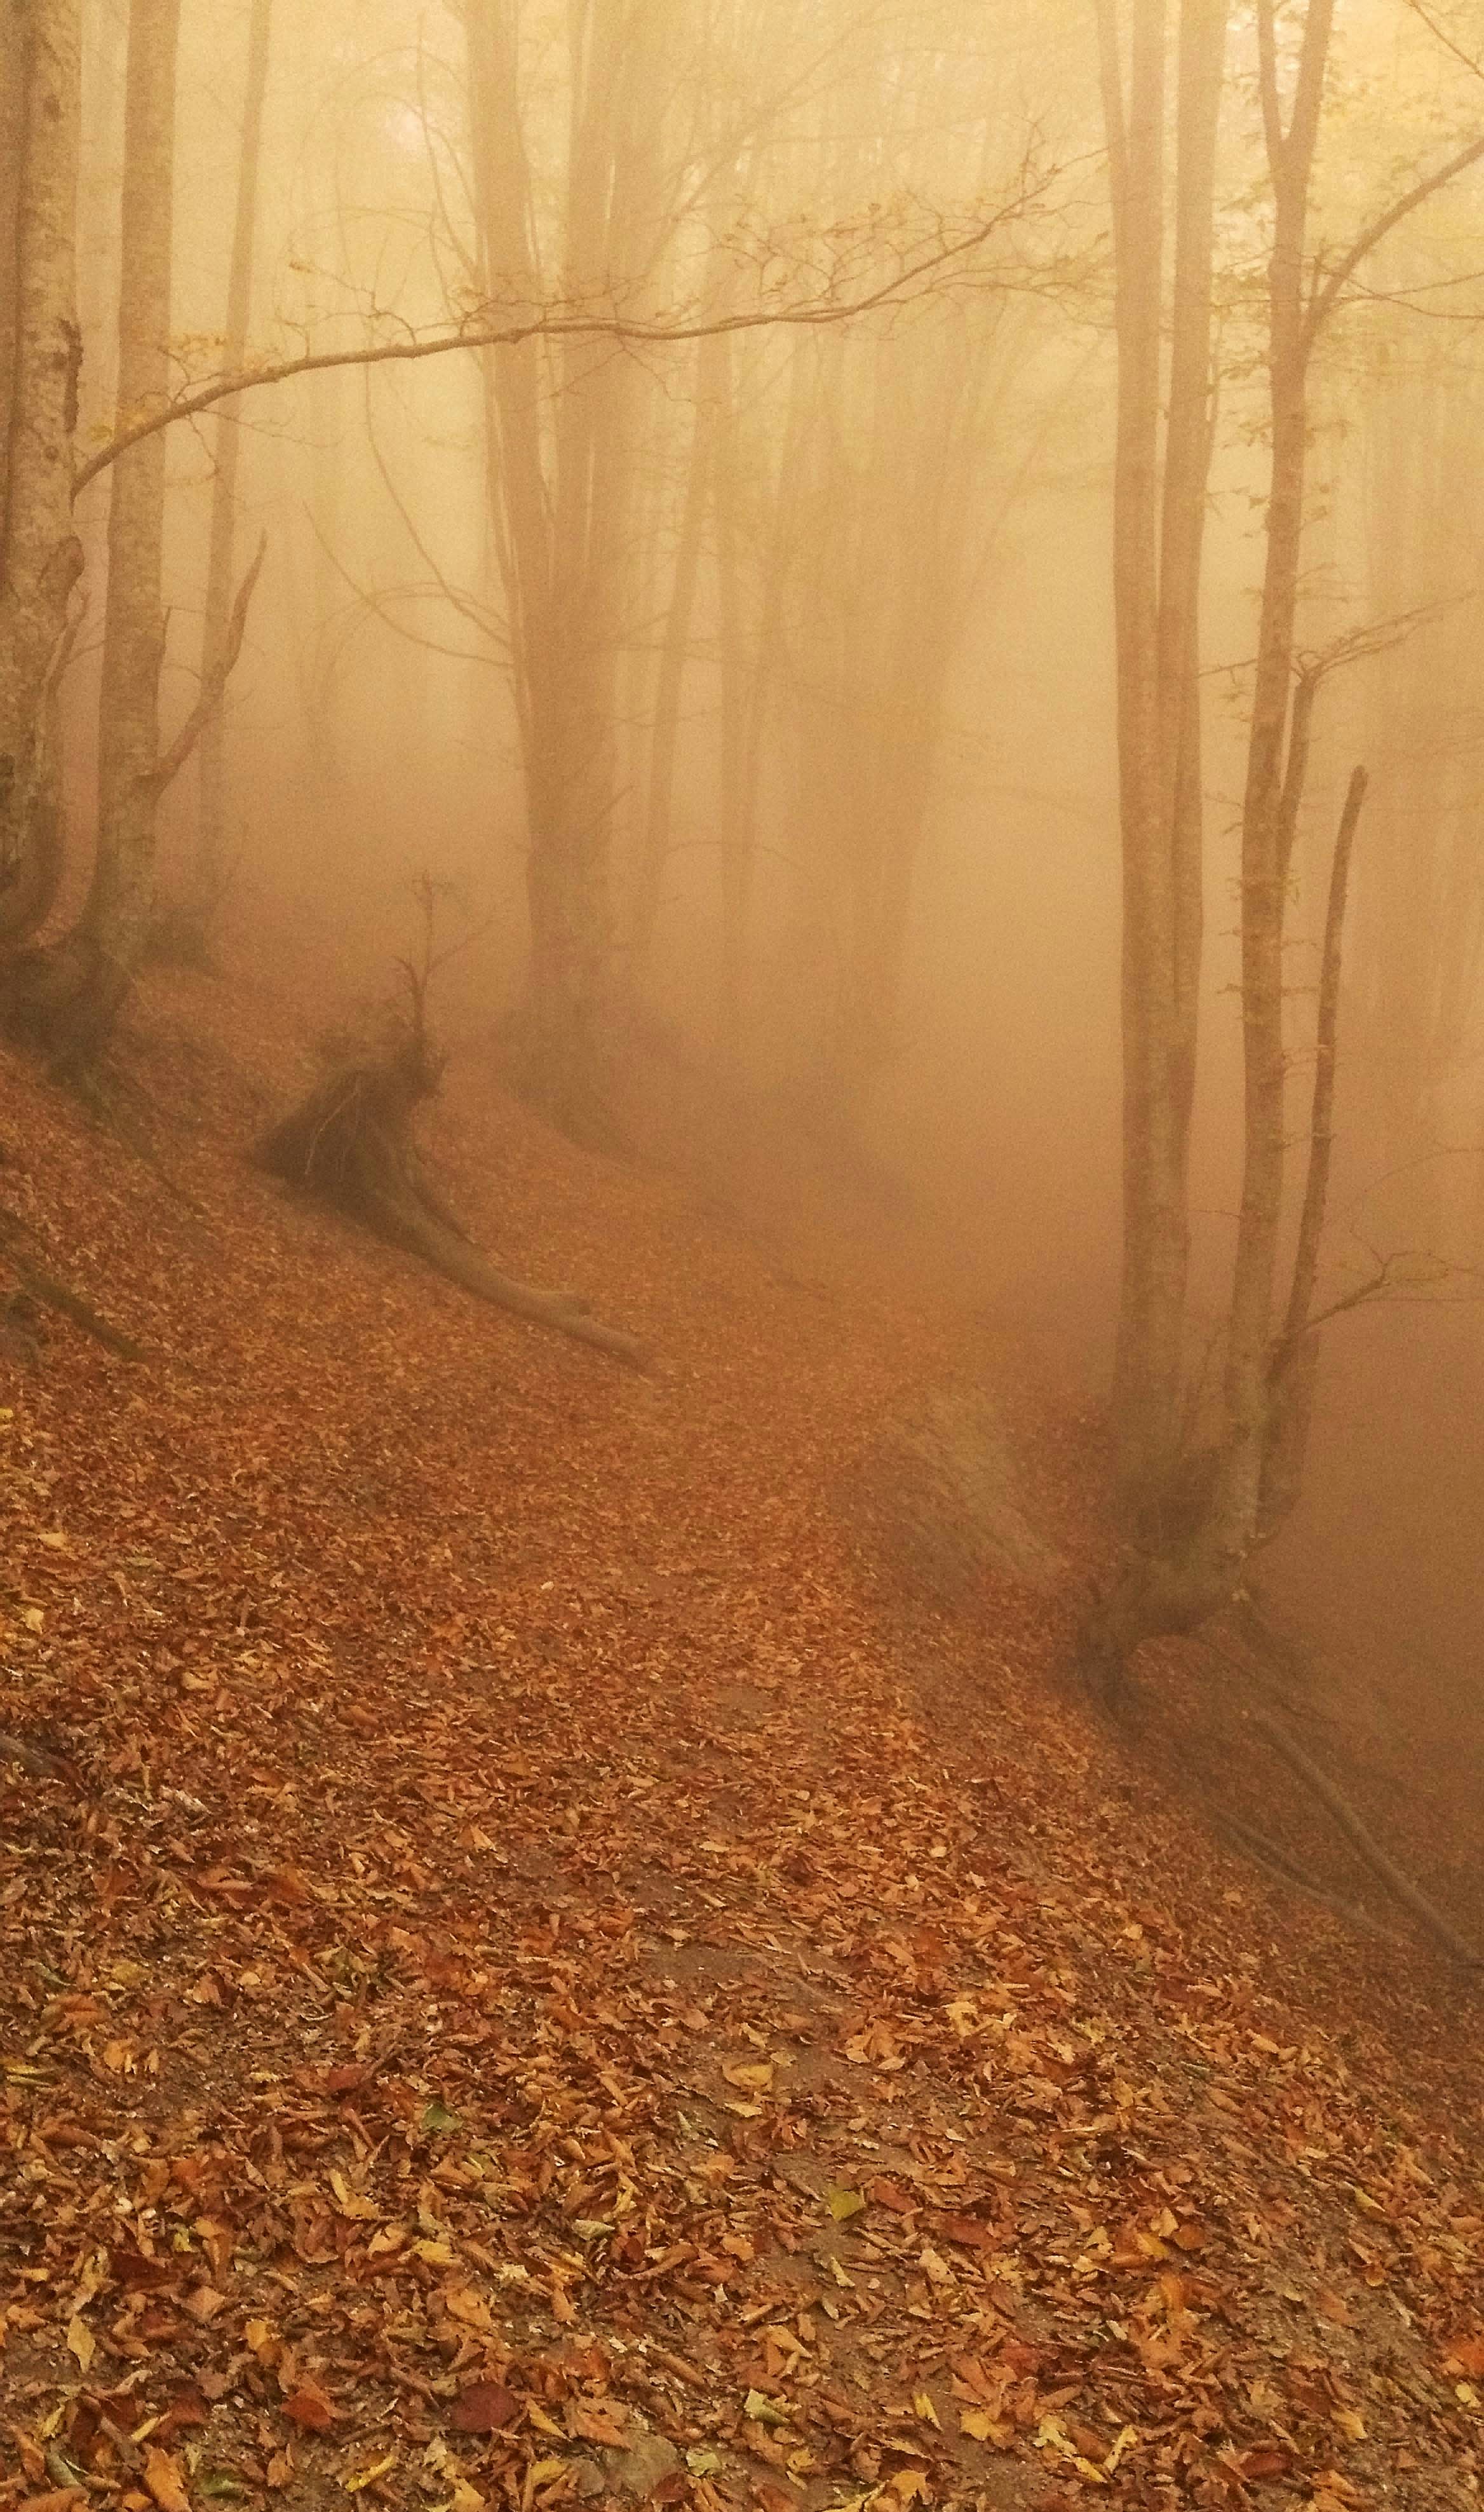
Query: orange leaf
point(161, 2476)
point(308, 2406)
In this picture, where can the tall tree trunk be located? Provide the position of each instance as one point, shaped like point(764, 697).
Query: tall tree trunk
point(669, 685)
point(1158, 536)
point(40, 555)
point(73, 993)
point(1276, 763)
point(209, 866)
point(734, 815)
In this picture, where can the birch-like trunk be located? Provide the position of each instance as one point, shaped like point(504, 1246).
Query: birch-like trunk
point(1273, 787)
point(40, 555)
point(209, 863)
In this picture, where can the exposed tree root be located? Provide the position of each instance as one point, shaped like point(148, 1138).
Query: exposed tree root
point(350, 1143)
point(1259, 1851)
point(31, 1758)
point(45, 1286)
point(451, 1254)
point(1383, 1868)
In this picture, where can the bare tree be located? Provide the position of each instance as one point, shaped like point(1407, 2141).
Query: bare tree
point(191, 920)
point(40, 555)
point(1202, 1515)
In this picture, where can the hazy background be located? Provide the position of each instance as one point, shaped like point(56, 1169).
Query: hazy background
point(891, 668)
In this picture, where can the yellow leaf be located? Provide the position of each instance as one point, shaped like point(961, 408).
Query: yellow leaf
point(843, 2204)
point(32, 1616)
point(541, 2472)
point(437, 2254)
point(542, 2422)
point(368, 2476)
point(464, 2302)
point(466, 2498)
point(922, 2407)
point(753, 2079)
point(981, 2426)
point(1351, 2423)
point(1123, 2440)
point(81, 2342)
point(351, 2204)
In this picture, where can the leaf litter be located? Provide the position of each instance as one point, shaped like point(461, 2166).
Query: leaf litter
point(519, 1996)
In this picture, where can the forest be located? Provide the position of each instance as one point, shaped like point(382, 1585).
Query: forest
point(741, 1254)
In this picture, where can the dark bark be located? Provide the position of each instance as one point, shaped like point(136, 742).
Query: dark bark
point(350, 1144)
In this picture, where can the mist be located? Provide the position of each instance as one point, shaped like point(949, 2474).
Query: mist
point(662, 659)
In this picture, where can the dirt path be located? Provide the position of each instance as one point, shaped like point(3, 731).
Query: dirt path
point(549, 1980)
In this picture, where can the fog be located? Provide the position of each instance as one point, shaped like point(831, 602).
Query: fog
point(740, 652)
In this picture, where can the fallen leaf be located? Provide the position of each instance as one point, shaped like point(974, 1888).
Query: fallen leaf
point(484, 2407)
point(309, 2406)
point(163, 2477)
point(368, 2476)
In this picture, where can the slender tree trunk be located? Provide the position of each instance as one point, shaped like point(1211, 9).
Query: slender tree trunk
point(669, 685)
point(73, 993)
point(561, 479)
point(1271, 800)
point(1158, 539)
point(734, 817)
point(208, 867)
point(1147, 1378)
point(40, 554)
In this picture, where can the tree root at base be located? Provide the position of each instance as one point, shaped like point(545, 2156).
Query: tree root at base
point(350, 1144)
point(53, 1294)
point(407, 1226)
point(1385, 1869)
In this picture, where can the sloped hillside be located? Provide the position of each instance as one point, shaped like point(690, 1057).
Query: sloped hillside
point(536, 1970)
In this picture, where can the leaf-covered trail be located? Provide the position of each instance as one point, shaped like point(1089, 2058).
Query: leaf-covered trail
point(541, 1986)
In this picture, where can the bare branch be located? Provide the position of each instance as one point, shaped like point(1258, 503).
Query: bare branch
point(214, 682)
point(1327, 295)
point(1305, 1267)
point(819, 314)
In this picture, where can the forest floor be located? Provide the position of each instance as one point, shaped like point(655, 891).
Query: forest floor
point(581, 1951)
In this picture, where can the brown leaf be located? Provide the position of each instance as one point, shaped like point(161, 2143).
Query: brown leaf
point(594, 2420)
point(308, 2406)
point(483, 2407)
point(1468, 2353)
point(886, 2193)
point(188, 2407)
point(967, 2230)
point(1257, 2464)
